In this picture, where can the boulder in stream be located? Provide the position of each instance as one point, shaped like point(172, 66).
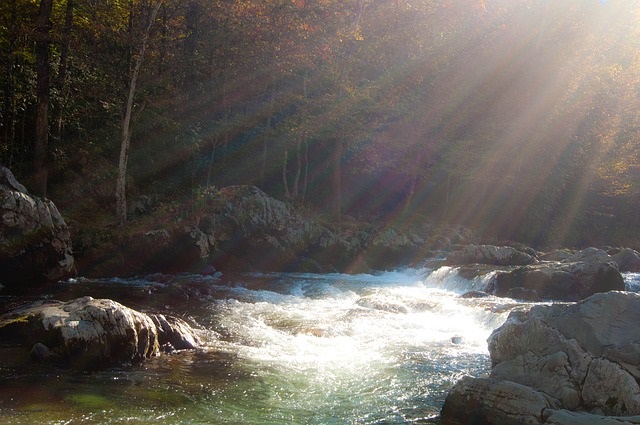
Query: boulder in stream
point(628, 260)
point(578, 276)
point(568, 364)
point(89, 334)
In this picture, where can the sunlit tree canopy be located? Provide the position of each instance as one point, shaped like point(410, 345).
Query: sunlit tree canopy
point(516, 117)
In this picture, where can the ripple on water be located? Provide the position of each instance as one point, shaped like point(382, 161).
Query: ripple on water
point(303, 349)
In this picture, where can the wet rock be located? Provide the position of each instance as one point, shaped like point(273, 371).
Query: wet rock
point(175, 332)
point(556, 255)
point(376, 302)
point(40, 352)
point(475, 294)
point(592, 337)
point(590, 255)
point(628, 260)
point(582, 357)
point(89, 334)
point(575, 278)
point(491, 401)
point(565, 417)
point(523, 294)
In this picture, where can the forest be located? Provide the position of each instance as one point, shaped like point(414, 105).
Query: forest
point(517, 118)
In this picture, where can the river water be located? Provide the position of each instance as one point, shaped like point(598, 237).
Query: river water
point(282, 349)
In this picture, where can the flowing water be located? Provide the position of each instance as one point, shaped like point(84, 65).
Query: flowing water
point(283, 349)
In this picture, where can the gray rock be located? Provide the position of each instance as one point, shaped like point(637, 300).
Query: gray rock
point(567, 281)
point(40, 352)
point(490, 254)
point(556, 255)
point(581, 357)
point(175, 332)
point(565, 417)
point(628, 260)
point(475, 294)
point(9, 180)
point(591, 255)
point(523, 294)
point(89, 334)
point(35, 243)
point(495, 402)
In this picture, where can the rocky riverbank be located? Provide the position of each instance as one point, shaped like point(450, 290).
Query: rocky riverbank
point(564, 363)
point(575, 363)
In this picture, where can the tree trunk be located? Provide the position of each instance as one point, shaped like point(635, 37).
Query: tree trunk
point(287, 194)
point(305, 179)
point(445, 206)
point(43, 70)
point(408, 199)
point(191, 40)
point(212, 158)
point(298, 172)
point(296, 178)
point(336, 182)
point(121, 197)
point(62, 71)
point(8, 107)
point(265, 139)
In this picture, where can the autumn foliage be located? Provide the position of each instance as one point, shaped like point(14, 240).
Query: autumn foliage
point(516, 117)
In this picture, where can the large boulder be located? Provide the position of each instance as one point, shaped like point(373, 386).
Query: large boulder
point(255, 231)
point(35, 243)
point(88, 334)
point(247, 229)
point(582, 357)
point(490, 401)
point(578, 276)
point(241, 228)
point(628, 260)
point(490, 254)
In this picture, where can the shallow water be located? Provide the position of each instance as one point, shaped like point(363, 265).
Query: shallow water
point(281, 349)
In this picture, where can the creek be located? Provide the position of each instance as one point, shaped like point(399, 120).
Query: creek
point(279, 349)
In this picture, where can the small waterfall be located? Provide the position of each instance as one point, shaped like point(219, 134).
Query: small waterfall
point(449, 278)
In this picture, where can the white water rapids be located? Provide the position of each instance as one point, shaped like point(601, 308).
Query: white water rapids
point(289, 349)
point(340, 349)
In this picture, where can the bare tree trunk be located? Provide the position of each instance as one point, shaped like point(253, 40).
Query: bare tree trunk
point(298, 172)
point(62, 71)
point(336, 181)
point(284, 174)
point(296, 178)
point(212, 158)
point(265, 139)
point(9, 106)
point(43, 69)
point(408, 199)
point(191, 40)
point(225, 136)
point(445, 209)
point(305, 180)
point(121, 197)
